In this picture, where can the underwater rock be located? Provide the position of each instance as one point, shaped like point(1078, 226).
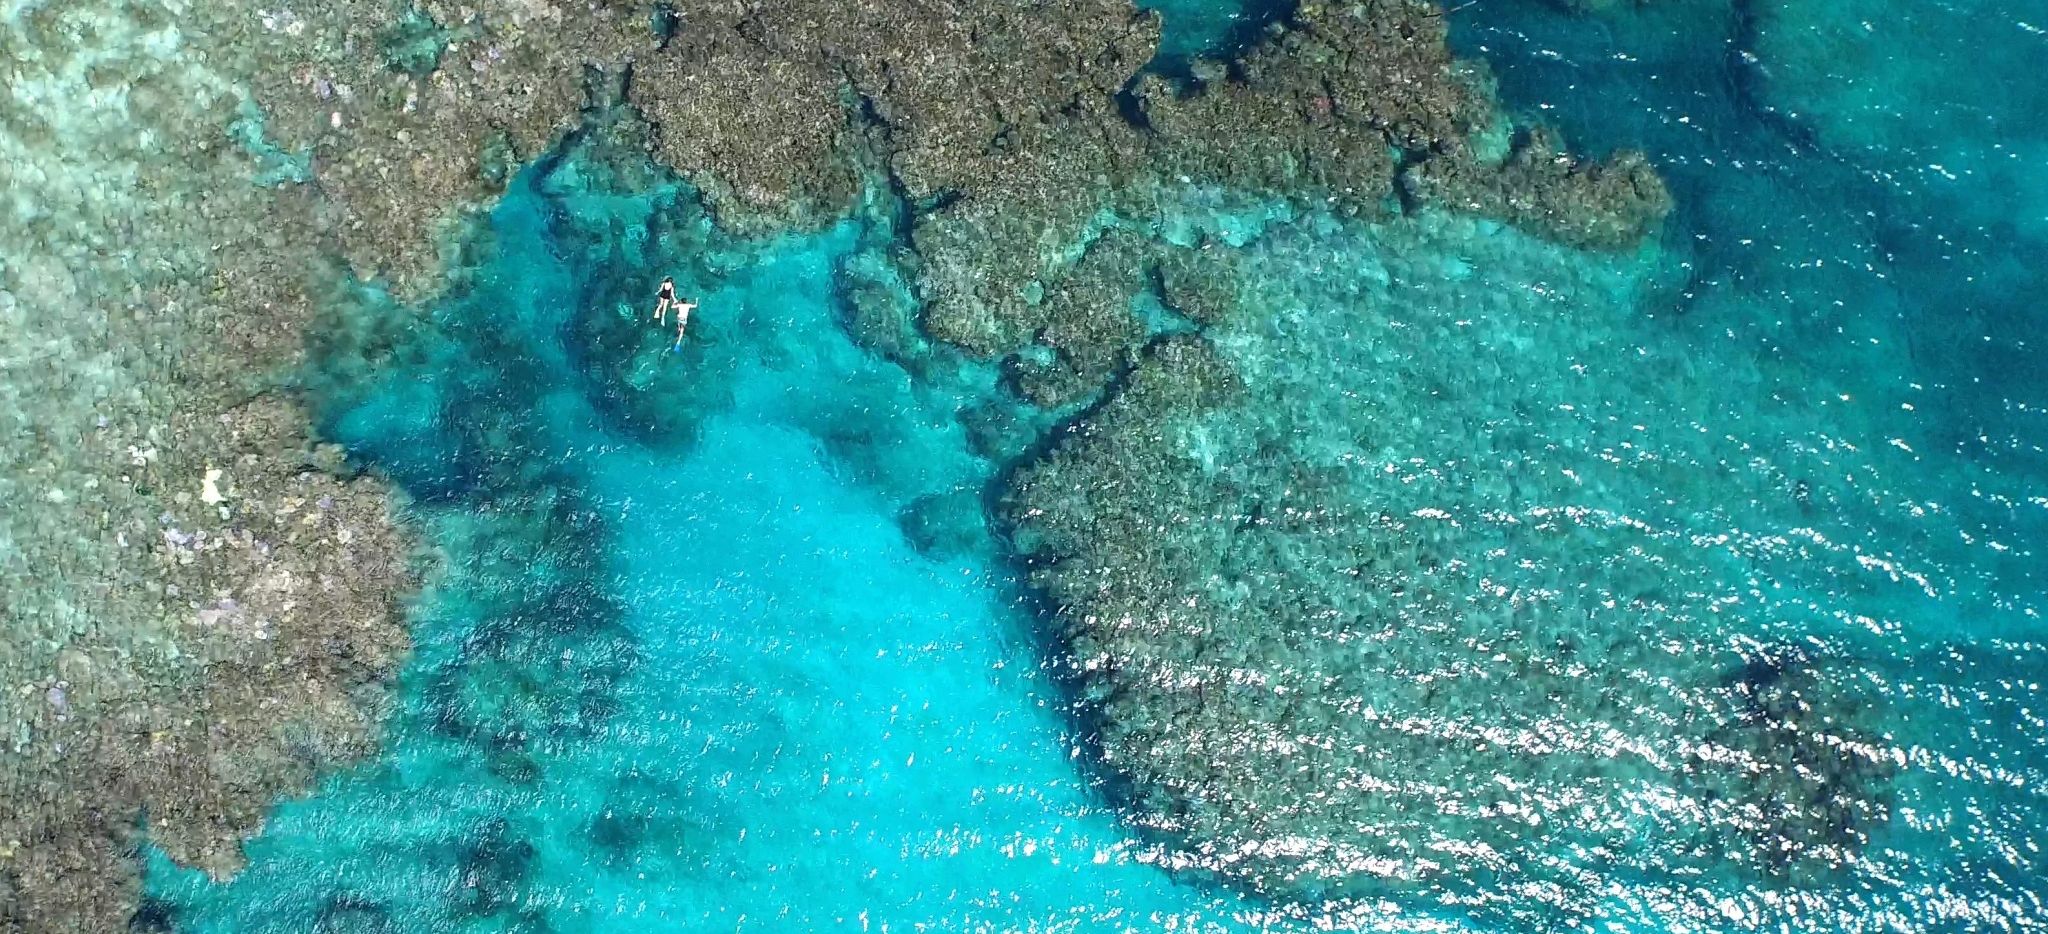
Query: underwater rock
point(403, 149)
point(653, 825)
point(215, 653)
point(1816, 785)
point(496, 866)
point(1056, 270)
point(945, 525)
point(1316, 111)
point(296, 593)
point(1609, 205)
point(880, 310)
point(1089, 328)
point(969, 97)
point(152, 916)
point(1286, 148)
point(999, 429)
point(986, 260)
point(1006, 134)
point(1193, 284)
point(261, 653)
point(770, 149)
point(348, 913)
point(1315, 577)
point(1600, 6)
point(1314, 114)
point(997, 126)
point(989, 102)
point(415, 43)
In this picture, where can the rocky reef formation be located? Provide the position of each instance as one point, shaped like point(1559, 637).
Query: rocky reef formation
point(206, 604)
point(409, 119)
point(201, 604)
point(244, 638)
point(1016, 138)
point(1324, 569)
point(1597, 205)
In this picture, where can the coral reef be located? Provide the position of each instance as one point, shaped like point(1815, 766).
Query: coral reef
point(1015, 140)
point(770, 151)
point(205, 612)
point(1813, 800)
point(244, 637)
point(1319, 568)
point(1598, 205)
point(201, 607)
point(408, 116)
point(1088, 323)
point(209, 637)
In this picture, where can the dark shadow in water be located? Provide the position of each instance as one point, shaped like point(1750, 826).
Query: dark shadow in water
point(350, 913)
point(153, 916)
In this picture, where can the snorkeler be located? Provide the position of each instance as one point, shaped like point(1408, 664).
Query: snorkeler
point(665, 300)
point(665, 296)
point(683, 310)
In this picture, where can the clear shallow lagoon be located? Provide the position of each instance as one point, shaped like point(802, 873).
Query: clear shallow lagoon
point(698, 687)
point(686, 672)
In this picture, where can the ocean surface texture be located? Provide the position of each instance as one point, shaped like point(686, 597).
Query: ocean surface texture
point(1413, 571)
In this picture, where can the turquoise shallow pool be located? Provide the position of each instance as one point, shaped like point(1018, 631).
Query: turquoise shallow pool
point(708, 684)
point(689, 672)
point(723, 644)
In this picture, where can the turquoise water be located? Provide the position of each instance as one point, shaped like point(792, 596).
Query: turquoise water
point(1868, 166)
point(1194, 28)
point(693, 674)
point(691, 668)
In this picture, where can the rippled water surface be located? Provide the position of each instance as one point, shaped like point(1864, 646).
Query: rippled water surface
point(691, 667)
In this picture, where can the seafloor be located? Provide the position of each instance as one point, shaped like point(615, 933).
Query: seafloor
point(1525, 466)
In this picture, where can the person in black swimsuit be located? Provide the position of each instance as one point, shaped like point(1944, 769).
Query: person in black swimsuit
point(666, 299)
point(665, 296)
